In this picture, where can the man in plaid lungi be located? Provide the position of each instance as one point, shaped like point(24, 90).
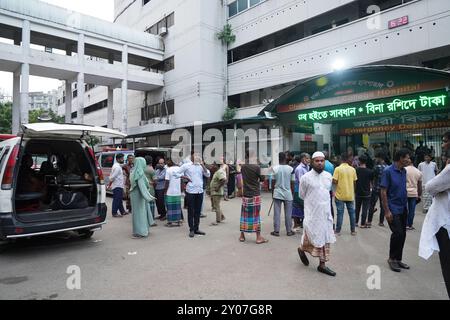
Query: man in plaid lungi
point(251, 200)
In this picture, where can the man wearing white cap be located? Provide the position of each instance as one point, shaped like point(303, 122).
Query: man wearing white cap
point(318, 223)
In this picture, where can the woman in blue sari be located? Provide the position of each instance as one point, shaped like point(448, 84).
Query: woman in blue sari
point(140, 198)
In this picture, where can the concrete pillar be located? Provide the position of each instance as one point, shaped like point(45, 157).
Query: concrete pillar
point(110, 111)
point(124, 103)
point(16, 103)
point(25, 73)
point(124, 100)
point(80, 97)
point(80, 49)
point(68, 102)
point(26, 37)
point(24, 91)
point(80, 80)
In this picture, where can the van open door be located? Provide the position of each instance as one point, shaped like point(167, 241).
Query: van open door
point(74, 131)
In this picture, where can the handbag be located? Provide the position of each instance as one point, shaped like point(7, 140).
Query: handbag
point(65, 200)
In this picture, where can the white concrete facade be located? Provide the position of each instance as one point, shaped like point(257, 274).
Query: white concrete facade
point(359, 42)
point(199, 56)
point(197, 83)
point(201, 81)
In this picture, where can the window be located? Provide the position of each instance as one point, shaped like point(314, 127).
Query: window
point(97, 106)
point(164, 22)
point(232, 9)
point(242, 5)
point(75, 93)
point(74, 115)
point(161, 24)
point(144, 2)
point(153, 29)
point(107, 160)
point(169, 64)
point(158, 110)
point(167, 108)
point(164, 66)
point(170, 20)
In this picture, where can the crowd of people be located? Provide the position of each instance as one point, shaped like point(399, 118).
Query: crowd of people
point(305, 186)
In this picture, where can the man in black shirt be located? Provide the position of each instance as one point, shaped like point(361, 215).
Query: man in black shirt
point(363, 190)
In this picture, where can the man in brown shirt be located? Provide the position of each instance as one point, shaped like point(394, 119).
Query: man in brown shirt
point(251, 200)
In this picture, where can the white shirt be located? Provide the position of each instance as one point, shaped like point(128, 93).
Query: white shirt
point(195, 173)
point(174, 181)
point(318, 221)
point(428, 171)
point(438, 215)
point(116, 176)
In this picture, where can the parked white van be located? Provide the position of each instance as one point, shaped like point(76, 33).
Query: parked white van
point(65, 192)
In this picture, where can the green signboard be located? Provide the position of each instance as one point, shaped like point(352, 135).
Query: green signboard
point(429, 101)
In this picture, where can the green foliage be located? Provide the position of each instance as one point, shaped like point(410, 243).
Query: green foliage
point(5, 117)
point(226, 35)
point(229, 113)
point(93, 141)
point(35, 114)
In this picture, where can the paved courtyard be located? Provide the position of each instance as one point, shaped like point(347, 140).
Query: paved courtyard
point(170, 265)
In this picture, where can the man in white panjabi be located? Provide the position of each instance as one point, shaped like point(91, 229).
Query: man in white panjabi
point(435, 235)
point(318, 222)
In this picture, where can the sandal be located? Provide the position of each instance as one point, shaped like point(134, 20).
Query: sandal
point(263, 241)
point(275, 234)
point(242, 239)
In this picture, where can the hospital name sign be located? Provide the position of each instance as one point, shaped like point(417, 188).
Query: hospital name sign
point(421, 103)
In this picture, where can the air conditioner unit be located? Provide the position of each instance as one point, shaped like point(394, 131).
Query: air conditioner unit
point(164, 120)
point(162, 31)
point(143, 123)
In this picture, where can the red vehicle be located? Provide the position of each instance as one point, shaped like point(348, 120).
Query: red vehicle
point(4, 137)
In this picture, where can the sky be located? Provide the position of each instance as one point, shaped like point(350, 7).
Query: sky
point(103, 9)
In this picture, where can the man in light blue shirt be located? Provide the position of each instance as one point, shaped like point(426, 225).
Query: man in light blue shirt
point(159, 189)
point(282, 194)
point(193, 172)
point(297, 206)
point(329, 167)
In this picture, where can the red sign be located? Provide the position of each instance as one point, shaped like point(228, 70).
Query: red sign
point(308, 137)
point(398, 22)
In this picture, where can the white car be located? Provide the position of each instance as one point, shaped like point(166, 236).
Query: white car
point(66, 191)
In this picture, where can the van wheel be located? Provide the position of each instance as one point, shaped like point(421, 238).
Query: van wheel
point(85, 234)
